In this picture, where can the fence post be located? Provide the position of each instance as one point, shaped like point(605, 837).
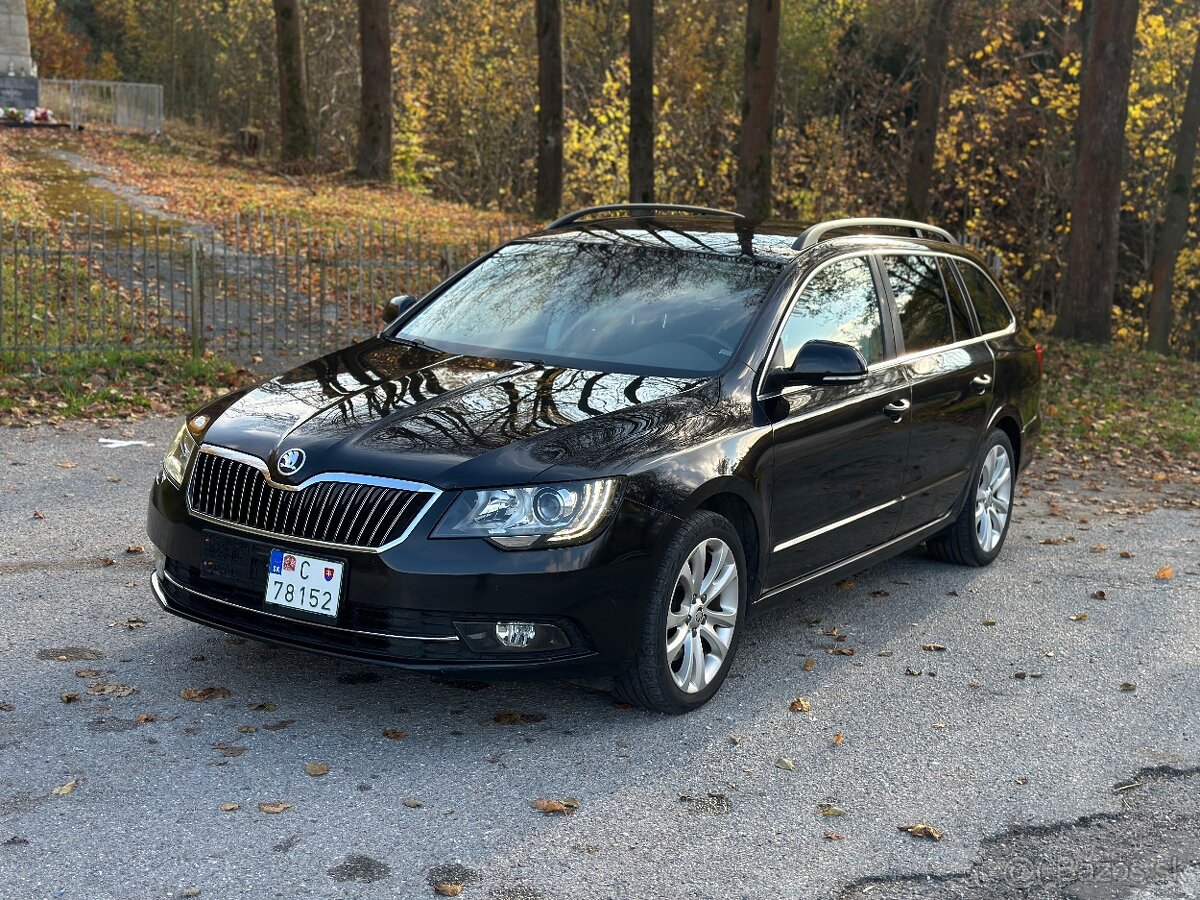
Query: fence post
point(195, 298)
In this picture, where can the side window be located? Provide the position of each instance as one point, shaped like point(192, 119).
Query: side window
point(959, 308)
point(840, 304)
point(990, 308)
point(920, 301)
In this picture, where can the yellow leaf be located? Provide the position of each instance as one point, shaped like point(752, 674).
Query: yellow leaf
point(66, 788)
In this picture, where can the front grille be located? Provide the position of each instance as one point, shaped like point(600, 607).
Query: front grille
point(331, 512)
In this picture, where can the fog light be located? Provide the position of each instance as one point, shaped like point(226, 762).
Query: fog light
point(517, 635)
point(493, 637)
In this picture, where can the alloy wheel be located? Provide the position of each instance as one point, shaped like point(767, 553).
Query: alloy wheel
point(702, 615)
point(993, 498)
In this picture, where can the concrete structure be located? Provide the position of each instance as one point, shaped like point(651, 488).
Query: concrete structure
point(15, 58)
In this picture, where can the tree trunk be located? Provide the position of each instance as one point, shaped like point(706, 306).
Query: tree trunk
point(550, 108)
point(929, 101)
point(757, 137)
point(294, 129)
point(641, 101)
point(375, 112)
point(1175, 214)
point(1085, 312)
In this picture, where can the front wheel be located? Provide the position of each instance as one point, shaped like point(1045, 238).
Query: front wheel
point(977, 535)
point(693, 619)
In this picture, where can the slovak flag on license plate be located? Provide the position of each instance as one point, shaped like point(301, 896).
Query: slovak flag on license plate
point(276, 562)
point(328, 574)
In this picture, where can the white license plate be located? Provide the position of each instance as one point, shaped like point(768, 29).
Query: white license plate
point(304, 583)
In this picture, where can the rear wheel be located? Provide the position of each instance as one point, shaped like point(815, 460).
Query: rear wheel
point(977, 536)
point(693, 620)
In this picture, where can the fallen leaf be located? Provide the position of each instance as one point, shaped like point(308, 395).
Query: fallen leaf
point(1021, 781)
point(316, 770)
point(800, 704)
point(1166, 573)
point(247, 729)
point(67, 464)
point(880, 593)
point(202, 695)
point(735, 739)
point(830, 810)
point(230, 807)
point(135, 548)
point(951, 593)
point(89, 673)
point(571, 803)
point(1128, 686)
point(623, 705)
point(273, 809)
point(1056, 541)
point(920, 829)
point(66, 788)
point(6, 707)
point(1021, 675)
point(131, 624)
point(989, 622)
point(38, 514)
point(886, 653)
point(908, 670)
point(395, 734)
point(810, 664)
point(69, 697)
point(834, 836)
point(846, 584)
point(107, 561)
point(512, 718)
point(279, 726)
point(146, 719)
point(1125, 554)
point(111, 689)
point(1099, 548)
point(448, 888)
point(1078, 617)
point(786, 764)
point(266, 706)
point(838, 739)
point(933, 648)
point(413, 803)
point(1099, 595)
point(840, 651)
point(549, 807)
point(229, 749)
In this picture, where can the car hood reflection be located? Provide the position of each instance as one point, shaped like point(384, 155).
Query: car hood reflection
point(397, 410)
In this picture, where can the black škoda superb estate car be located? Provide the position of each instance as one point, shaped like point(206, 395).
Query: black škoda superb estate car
point(594, 450)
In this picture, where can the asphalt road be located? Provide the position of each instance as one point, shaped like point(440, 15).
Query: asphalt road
point(1054, 784)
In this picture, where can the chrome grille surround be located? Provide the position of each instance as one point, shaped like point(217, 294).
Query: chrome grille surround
point(340, 510)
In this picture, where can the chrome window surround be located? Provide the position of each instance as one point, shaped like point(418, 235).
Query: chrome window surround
point(887, 363)
point(343, 477)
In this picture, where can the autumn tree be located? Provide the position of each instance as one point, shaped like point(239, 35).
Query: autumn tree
point(375, 112)
point(929, 102)
point(296, 140)
point(1175, 213)
point(1086, 309)
point(757, 138)
point(641, 101)
point(548, 14)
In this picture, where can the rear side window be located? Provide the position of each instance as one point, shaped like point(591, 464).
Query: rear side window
point(920, 300)
point(839, 303)
point(990, 308)
point(960, 310)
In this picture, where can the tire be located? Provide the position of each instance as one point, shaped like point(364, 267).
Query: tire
point(971, 541)
point(668, 679)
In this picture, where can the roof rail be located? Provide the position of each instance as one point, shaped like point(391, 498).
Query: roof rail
point(813, 234)
point(572, 217)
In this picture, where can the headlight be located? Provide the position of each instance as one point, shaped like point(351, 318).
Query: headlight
point(175, 463)
point(536, 516)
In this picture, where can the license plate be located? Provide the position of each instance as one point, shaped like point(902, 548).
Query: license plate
point(304, 583)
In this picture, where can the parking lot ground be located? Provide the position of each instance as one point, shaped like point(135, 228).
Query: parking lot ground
point(1059, 727)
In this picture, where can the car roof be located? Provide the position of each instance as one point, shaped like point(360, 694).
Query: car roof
point(771, 241)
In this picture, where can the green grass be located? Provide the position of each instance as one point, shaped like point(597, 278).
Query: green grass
point(109, 385)
point(1101, 400)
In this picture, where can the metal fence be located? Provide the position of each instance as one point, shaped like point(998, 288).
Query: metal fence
point(123, 105)
point(250, 289)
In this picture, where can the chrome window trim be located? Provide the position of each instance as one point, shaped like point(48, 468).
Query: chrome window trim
point(887, 363)
point(342, 477)
point(293, 619)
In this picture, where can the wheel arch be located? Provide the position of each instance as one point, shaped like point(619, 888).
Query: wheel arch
point(734, 500)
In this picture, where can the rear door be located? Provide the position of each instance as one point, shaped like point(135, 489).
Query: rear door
point(952, 376)
point(839, 450)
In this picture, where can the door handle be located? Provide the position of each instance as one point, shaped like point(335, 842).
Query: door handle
point(896, 409)
point(981, 383)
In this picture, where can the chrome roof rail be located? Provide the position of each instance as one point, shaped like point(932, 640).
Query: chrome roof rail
point(814, 233)
point(640, 208)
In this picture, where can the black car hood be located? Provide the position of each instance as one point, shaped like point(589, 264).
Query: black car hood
point(392, 409)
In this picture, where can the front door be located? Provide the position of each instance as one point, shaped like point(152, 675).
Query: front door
point(839, 450)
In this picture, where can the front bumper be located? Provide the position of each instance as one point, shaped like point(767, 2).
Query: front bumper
point(406, 606)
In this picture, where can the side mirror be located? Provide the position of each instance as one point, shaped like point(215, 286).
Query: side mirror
point(397, 306)
point(825, 362)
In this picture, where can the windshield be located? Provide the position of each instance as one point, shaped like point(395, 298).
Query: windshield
point(619, 308)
